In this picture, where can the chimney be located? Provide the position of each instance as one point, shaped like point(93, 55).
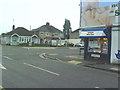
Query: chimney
point(47, 24)
point(13, 27)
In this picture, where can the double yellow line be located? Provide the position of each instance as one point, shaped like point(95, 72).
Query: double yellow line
point(42, 55)
point(2, 88)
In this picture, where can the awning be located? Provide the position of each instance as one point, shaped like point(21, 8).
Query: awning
point(93, 33)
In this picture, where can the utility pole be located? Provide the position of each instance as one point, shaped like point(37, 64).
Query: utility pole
point(13, 21)
point(30, 27)
point(80, 12)
point(13, 27)
point(80, 24)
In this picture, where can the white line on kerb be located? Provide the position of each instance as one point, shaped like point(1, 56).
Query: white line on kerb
point(7, 58)
point(42, 69)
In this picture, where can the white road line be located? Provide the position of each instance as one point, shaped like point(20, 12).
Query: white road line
point(97, 87)
point(42, 69)
point(7, 58)
point(2, 88)
point(1, 66)
point(100, 88)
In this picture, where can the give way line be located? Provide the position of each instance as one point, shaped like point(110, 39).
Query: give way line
point(42, 69)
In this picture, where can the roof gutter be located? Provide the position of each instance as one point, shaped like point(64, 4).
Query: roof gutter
point(100, 26)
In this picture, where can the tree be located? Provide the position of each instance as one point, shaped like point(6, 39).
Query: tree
point(67, 29)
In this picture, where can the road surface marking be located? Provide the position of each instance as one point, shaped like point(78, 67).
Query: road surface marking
point(53, 54)
point(7, 58)
point(100, 88)
point(72, 56)
point(42, 55)
point(74, 62)
point(1, 66)
point(42, 69)
point(74, 48)
point(97, 87)
point(2, 88)
point(116, 69)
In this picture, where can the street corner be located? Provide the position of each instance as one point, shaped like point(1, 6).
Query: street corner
point(74, 62)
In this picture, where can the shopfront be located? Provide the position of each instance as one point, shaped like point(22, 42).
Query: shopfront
point(98, 42)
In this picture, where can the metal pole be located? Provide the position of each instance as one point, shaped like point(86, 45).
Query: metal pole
point(30, 27)
point(13, 21)
point(80, 12)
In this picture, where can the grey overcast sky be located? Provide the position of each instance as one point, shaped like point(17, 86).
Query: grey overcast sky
point(37, 12)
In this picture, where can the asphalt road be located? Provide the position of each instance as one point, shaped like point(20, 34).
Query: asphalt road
point(23, 68)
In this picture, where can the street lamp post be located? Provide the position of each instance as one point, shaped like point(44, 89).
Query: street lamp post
point(80, 12)
point(80, 18)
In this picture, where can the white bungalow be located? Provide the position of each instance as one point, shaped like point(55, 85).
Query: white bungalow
point(19, 36)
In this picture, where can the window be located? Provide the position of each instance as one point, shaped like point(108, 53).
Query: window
point(20, 39)
point(47, 34)
point(41, 33)
point(55, 34)
point(98, 45)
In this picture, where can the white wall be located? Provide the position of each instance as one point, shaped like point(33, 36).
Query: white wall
point(5, 40)
point(0, 64)
point(74, 41)
point(115, 45)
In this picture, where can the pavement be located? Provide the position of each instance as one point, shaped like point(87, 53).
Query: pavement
point(79, 60)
